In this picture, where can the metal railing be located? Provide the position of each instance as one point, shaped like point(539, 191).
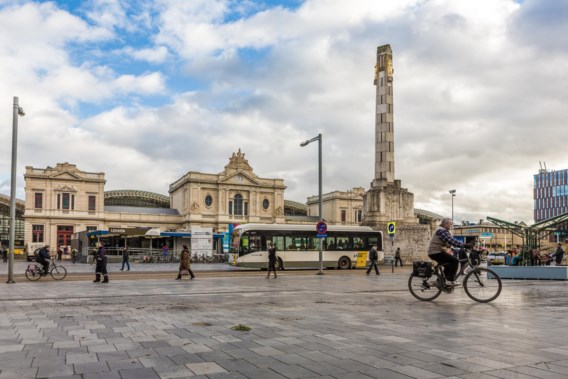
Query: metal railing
point(147, 255)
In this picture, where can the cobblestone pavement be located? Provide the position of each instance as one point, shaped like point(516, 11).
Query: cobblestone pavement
point(306, 326)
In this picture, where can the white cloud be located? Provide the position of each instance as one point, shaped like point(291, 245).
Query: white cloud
point(156, 55)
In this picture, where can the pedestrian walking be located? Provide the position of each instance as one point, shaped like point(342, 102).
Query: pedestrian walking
point(184, 266)
point(125, 259)
point(271, 260)
point(59, 254)
point(101, 268)
point(4, 254)
point(397, 257)
point(558, 255)
point(373, 257)
point(73, 255)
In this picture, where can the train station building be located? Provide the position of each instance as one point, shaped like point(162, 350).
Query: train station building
point(64, 200)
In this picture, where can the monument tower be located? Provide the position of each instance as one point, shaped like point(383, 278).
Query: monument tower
point(386, 200)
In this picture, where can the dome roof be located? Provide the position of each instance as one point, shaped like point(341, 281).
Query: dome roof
point(293, 208)
point(136, 198)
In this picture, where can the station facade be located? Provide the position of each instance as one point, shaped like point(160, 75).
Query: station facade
point(63, 200)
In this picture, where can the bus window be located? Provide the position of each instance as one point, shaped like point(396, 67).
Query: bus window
point(343, 243)
point(243, 249)
point(373, 241)
point(278, 242)
point(255, 243)
point(292, 243)
point(358, 243)
point(330, 242)
point(312, 243)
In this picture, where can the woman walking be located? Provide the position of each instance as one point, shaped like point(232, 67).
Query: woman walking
point(184, 264)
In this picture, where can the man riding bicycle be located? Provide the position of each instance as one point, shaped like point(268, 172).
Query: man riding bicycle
point(439, 251)
point(43, 258)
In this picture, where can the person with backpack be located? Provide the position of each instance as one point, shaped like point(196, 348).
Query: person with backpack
point(43, 258)
point(373, 257)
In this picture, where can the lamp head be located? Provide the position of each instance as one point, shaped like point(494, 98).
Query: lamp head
point(21, 111)
point(453, 192)
point(304, 143)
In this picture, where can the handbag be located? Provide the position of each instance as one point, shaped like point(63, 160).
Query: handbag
point(184, 272)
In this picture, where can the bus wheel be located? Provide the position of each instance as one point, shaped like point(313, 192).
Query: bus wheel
point(344, 263)
point(279, 265)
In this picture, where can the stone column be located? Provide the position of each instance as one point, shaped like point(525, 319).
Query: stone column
point(384, 122)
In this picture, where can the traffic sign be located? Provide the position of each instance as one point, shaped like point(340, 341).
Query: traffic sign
point(391, 227)
point(321, 227)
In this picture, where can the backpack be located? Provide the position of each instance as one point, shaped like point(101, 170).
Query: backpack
point(373, 255)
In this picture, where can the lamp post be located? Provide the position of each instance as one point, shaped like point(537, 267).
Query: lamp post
point(453, 193)
point(18, 111)
point(305, 143)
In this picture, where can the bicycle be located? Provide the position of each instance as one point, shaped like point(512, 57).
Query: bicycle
point(35, 271)
point(481, 284)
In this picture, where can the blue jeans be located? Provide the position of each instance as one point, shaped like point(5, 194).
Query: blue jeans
point(127, 264)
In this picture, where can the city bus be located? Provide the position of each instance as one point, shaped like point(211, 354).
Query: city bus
point(297, 245)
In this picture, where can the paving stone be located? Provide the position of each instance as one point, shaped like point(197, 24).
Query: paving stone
point(205, 368)
point(138, 373)
point(80, 358)
point(178, 371)
point(17, 373)
point(94, 367)
point(51, 370)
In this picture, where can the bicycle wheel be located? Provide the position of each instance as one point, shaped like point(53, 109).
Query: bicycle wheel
point(33, 273)
point(58, 272)
point(424, 289)
point(482, 285)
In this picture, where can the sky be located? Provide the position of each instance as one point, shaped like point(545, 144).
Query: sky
point(148, 90)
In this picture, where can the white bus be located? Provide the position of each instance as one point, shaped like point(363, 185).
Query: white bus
point(297, 245)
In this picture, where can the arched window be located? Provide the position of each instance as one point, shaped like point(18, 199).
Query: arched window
point(238, 206)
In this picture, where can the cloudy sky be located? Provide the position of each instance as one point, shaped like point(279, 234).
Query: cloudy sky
point(147, 90)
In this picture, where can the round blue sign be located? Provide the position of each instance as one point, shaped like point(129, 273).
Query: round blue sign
point(321, 227)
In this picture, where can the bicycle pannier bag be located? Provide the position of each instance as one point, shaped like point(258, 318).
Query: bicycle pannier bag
point(422, 269)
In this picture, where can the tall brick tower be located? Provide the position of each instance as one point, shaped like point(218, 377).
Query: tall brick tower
point(386, 200)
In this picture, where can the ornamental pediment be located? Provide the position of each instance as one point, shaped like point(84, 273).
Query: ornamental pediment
point(239, 178)
point(65, 175)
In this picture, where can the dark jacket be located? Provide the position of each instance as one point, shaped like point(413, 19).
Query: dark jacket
point(101, 256)
point(272, 254)
point(44, 254)
point(373, 255)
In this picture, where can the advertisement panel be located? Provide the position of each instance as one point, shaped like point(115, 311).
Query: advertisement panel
point(202, 241)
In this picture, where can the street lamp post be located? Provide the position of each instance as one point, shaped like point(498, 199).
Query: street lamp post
point(18, 111)
point(453, 193)
point(319, 139)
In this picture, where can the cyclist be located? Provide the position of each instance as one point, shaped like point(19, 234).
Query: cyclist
point(43, 258)
point(439, 251)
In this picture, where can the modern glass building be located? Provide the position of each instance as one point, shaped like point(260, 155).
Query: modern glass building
point(5, 222)
point(550, 194)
